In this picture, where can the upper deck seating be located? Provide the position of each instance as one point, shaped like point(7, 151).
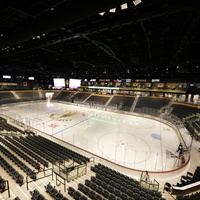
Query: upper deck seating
point(122, 102)
point(81, 96)
point(183, 111)
point(148, 105)
point(97, 99)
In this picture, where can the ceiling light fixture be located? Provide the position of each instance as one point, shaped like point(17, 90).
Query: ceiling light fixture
point(102, 13)
point(124, 6)
point(113, 10)
point(136, 2)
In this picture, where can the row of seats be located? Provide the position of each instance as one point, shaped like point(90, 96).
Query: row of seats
point(196, 124)
point(65, 151)
point(106, 191)
point(2, 184)
point(102, 169)
point(40, 150)
point(77, 195)
point(5, 126)
point(17, 142)
point(121, 182)
point(35, 140)
point(11, 171)
point(46, 157)
point(92, 192)
point(184, 111)
point(19, 177)
point(54, 193)
point(189, 178)
point(24, 156)
point(36, 195)
point(60, 150)
point(195, 196)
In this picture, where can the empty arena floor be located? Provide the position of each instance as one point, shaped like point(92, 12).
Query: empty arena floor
point(135, 142)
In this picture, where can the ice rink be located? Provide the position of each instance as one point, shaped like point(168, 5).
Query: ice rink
point(132, 141)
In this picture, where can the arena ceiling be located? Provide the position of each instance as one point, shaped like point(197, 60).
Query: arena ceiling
point(100, 39)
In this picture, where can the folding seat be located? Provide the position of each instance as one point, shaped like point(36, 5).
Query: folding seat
point(20, 179)
point(100, 177)
point(112, 183)
point(85, 190)
point(104, 185)
point(158, 194)
point(117, 193)
point(41, 197)
point(33, 175)
point(98, 182)
point(65, 198)
point(71, 191)
point(99, 189)
point(92, 168)
point(48, 187)
point(58, 196)
point(80, 186)
point(26, 169)
point(183, 180)
point(149, 197)
point(93, 179)
point(104, 174)
point(37, 166)
point(130, 193)
point(124, 196)
point(137, 196)
point(87, 182)
point(123, 189)
point(131, 198)
point(11, 170)
point(107, 180)
point(142, 194)
point(143, 198)
point(97, 197)
point(77, 195)
point(167, 187)
point(82, 197)
point(93, 186)
point(189, 175)
point(105, 193)
point(110, 189)
point(34, 194)
point(53, 192)
point(112, 197)
point(91, 194)
point(2, 185)
point(118, 186)
point(136, 191)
